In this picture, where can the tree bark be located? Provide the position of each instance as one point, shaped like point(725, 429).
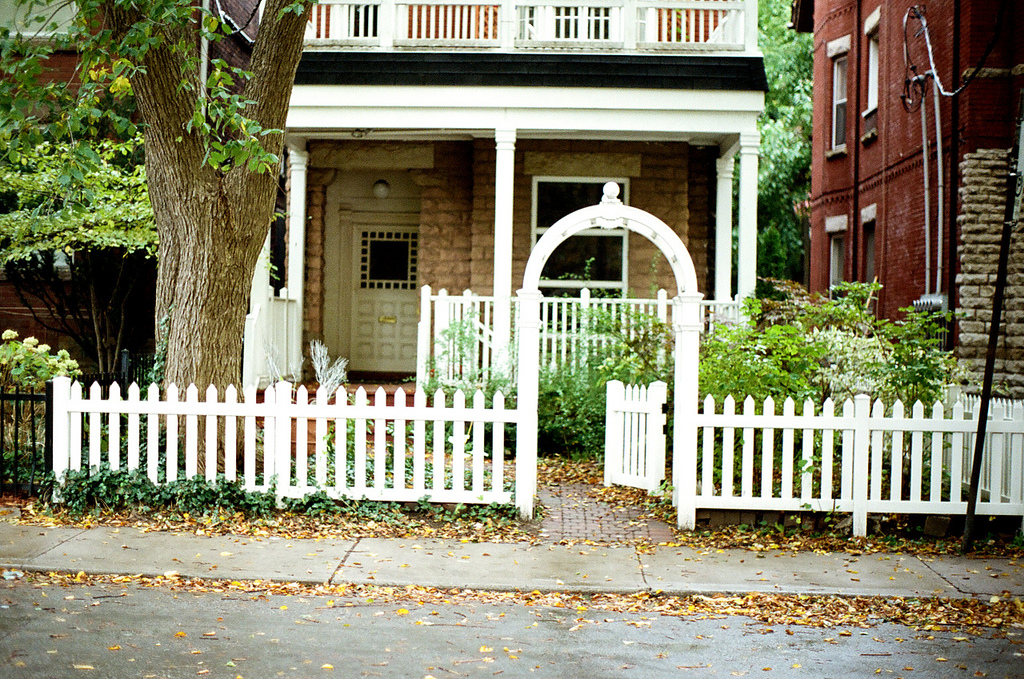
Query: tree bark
point(211, 222)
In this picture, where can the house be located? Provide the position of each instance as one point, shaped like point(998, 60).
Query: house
point(908, 180)
point(433, 143)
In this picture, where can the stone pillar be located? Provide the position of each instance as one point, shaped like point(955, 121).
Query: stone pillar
point(504, 174)
point(723, 228)
point(747, 268)
point(298, 162)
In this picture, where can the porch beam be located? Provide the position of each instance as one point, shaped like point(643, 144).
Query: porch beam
point(723, 228)
point(504, 187)
point(298, 162)
point(747, 268)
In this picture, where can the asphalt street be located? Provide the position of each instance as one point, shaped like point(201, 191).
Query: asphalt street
point(128, 631)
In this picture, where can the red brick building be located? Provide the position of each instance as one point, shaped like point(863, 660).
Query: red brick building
point(919, 211)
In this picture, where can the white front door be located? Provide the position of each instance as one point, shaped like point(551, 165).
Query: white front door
point(385, 298)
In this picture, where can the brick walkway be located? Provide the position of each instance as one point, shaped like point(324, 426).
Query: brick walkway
point(570, 514)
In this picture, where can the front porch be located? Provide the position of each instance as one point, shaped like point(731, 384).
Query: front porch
point(433, 143)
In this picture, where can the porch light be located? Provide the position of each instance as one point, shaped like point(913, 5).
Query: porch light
point(381, 188)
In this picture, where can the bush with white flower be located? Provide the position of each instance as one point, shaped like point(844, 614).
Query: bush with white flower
point(27, 364)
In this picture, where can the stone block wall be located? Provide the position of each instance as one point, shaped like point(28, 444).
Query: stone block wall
point(982, 206)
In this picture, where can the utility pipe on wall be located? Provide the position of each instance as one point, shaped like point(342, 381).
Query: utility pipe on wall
point(927, 197)
point(941, 189)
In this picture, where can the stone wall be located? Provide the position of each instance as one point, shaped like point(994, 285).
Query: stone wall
point(983, 202)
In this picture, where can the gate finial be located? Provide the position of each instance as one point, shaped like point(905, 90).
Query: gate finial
point(611, 193)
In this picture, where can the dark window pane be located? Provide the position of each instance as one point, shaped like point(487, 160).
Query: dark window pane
point(557, 199)
point(596, 258)
point(389, 260)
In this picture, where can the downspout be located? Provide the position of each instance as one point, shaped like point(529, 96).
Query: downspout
point(954, 164)
point(927, 192)
point(857, 118)
point(940, 189)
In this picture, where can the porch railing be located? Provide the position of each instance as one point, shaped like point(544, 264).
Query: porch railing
point(456, 331)
point(679, 25)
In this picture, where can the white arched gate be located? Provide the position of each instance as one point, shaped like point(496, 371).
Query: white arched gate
point(612, 214)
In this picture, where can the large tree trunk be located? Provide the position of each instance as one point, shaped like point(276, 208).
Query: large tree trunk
point(212, 222)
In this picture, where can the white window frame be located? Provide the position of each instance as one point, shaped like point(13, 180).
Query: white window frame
point(840, 63)
point(871, 32)
point(536, 232)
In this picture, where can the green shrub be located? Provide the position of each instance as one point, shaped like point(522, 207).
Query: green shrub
point(27, 364)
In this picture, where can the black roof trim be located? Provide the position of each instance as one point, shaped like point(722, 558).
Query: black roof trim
point(462, 69)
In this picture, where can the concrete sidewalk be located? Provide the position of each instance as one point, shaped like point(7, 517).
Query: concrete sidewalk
point(506, 567)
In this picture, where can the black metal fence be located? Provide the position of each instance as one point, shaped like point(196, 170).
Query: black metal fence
point(25, 435)
point(137, 368)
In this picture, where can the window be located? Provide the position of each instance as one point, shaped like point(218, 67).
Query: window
point(835, 228)
point(37, 19)
point(594, 258)
point(837, 260)
point(870, 114)
point(839, 102)
point(869, 251)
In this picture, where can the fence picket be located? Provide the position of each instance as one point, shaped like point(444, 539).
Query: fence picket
point(301, 438)
point(788, 411)
point(399, 439)
point(935, 486)
point(478, 441)
point(133, 429)
point(341, 442)
point(956, 456)
point(459, 444)
point(95, 429)
point(896, 456)
point(153, 434)
point(877, 452)
point(419, 444)
point(917, 455)
point(171, 450)
point(230, 436)
point(114, 430)
point(359, 444)
point(380, 434)
point(439, 445)
point(768, 451)
point(210, 449)
point(191, 432)
point(728, 440)
point(995, 454)
point(249, 428)
point(807, 457)
point(707, 453)
point(827, 458)
point(498, 445)
point(748, 451)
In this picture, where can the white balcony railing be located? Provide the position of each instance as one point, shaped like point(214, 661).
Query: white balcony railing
point(680, 25)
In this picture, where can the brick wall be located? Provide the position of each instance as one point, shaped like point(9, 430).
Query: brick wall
point(983, 200)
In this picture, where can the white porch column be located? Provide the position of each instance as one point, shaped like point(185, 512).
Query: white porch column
point(504, 173)
point(298, 161)
point(747, 268)
point(723, 229)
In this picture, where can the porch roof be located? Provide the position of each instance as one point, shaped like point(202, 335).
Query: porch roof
point(461, 69)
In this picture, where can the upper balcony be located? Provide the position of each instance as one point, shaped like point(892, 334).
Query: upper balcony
point(606, 26)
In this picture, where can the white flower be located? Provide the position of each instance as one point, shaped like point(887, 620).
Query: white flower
point(9, 335)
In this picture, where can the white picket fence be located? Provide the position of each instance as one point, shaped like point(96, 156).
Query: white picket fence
point(634, 448)
point(411, 449)
point(861, 460)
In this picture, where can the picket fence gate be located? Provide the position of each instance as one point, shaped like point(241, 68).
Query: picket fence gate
point(634, 447)
point(861, 460)
point(411, 449)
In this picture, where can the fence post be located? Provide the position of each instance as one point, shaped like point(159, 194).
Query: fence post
point(423, 336)
point(687, 324)
point(657, 395)
point(615, 392)
point(861, 460)
point(529, 373)
point(58, 394)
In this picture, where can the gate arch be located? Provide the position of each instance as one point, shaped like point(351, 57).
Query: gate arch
point(612, 214)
